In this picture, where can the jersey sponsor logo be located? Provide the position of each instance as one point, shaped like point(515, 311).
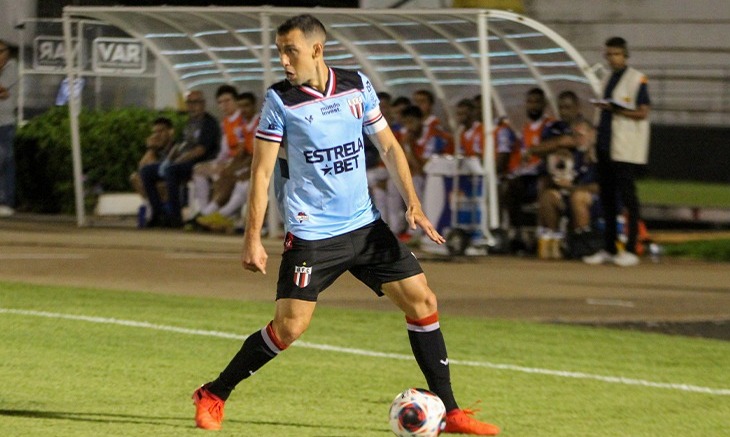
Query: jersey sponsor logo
point(356, 106)
point(302, 275)
point(338, 159)
point(330, 109)
point(302, 216)
point(309, 118)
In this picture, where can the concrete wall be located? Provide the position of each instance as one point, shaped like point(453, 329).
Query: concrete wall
point(681, 45)
point(13, 12)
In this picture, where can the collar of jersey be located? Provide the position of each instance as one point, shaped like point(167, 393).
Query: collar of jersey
point(329, 89)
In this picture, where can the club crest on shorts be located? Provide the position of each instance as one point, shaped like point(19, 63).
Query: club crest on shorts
point(356, 106)
point(302, 276)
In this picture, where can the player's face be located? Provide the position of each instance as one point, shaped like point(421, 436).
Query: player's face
point(568, 110)
point(227, 104)
point(413, 124)
point(297, 55)
point(195, 103)
point(423, 103)
point(463, 115)
point(248, 107)
point(616, 57)
point(535, 105)
point(162, 134)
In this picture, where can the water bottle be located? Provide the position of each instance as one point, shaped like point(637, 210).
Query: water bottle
point(543, 244)
point(621, 237)
point(655, 252)
point(556, 242)
point(621, 228)
point(142, 216)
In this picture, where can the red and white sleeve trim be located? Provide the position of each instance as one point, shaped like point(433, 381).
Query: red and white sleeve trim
point(275, 138)
point(374, 122)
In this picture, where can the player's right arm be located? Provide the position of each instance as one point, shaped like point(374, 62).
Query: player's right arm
point(265, 154)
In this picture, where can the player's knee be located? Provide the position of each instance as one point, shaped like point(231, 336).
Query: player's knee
point(430, 302)
point(424, 303)
point(288, 331)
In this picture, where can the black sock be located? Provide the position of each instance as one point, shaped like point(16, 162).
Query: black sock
point(429, 348)
point(258, 349)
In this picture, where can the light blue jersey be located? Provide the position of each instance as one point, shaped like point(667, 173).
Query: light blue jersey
point(320, 180)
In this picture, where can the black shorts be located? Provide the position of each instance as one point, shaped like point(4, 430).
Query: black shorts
point(372, 254)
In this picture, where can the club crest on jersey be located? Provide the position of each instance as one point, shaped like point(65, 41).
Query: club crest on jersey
point(356, 107)
point(302, 276)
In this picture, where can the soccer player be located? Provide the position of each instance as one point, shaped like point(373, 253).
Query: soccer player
point(310, 134)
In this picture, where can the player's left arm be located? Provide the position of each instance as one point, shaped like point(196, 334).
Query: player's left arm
point(394, 158)
point(395, 161)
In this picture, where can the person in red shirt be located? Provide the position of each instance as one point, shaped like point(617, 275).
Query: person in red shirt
point(471, 130)
point(524, 169)
point(206, 172)
point(230, 190)
point(420, 141)
point(425, 100)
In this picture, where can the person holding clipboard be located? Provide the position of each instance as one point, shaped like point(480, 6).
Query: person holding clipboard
point(622, 148)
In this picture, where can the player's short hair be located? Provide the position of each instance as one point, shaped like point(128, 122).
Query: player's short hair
point(426, 93)
point(163, 121)
point(412, 111)
point(536, 92)
point(618, 42)
point(306, 23)
point(568, 94)
point(226, 89)
point(247, 96)
point(466, 103)
point(400, 101)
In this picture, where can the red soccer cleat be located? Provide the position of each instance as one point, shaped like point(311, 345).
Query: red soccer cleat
point(208, 409)
point(461, 422)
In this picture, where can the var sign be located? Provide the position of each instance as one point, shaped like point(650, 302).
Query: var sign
point(126, 55)
point(49, 52)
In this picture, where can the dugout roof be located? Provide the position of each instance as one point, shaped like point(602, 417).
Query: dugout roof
point(455, 53)
point(400, 50)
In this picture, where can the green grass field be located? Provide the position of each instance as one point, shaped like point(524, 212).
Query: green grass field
point(82, 362)
point(683, 193)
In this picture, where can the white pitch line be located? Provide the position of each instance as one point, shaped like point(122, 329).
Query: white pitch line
point(611, 302)
point(368, 353)
point(42, 256)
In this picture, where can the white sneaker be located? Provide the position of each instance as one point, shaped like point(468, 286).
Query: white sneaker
point(626, 259)
point(600, 257)
point(6, 211)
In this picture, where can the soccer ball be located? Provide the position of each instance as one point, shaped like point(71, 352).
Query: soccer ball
point(417, 412)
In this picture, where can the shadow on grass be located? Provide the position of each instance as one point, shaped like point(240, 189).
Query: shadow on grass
point(174, 422)
point(98, 417)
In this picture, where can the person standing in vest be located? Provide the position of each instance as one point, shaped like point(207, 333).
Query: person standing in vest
point(8, 99)
point(622, 147)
